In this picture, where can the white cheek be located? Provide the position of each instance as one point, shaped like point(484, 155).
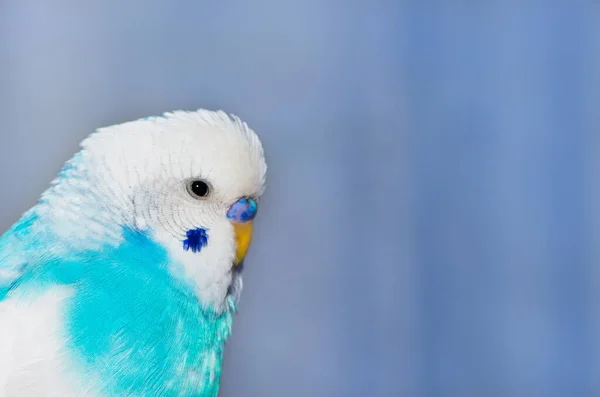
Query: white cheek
point(209, 270)
point(169, 213)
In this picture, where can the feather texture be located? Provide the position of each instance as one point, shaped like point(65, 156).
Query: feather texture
point(98, 294)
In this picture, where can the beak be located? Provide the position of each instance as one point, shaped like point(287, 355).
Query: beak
point(243, 237)
point(241, 215)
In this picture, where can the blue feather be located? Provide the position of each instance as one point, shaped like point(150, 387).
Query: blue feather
point(131, 322)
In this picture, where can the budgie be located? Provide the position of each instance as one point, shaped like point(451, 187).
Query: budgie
point(123, 279)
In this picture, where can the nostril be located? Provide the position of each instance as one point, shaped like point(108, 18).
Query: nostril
point(243, 210)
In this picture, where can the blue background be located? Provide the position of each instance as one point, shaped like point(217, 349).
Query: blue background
point(432, 218)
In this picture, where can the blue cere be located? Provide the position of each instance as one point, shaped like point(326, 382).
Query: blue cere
point(243, 210)
point(196, 240)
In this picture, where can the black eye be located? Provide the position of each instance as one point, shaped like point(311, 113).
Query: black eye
point(199, 188)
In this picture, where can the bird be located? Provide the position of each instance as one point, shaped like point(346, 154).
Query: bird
point(124, 277)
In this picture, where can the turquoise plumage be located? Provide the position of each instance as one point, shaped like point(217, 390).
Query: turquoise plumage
point(139, 313)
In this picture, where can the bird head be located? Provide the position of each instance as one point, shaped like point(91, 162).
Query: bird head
point(191, 180)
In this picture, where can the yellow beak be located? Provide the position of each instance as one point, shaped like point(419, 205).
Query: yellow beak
point(243, 237)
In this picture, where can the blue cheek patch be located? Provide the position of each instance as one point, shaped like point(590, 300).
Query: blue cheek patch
point(243, 210)
point(196, 240)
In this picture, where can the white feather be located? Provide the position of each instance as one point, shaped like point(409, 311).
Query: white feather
point(134, 174)
point(30, 346)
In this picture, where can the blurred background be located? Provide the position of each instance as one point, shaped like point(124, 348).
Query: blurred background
point(432, 219)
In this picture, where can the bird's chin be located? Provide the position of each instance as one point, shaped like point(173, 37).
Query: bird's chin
point(239, 268)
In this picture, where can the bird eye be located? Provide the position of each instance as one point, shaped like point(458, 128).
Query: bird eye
point(198, 188)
